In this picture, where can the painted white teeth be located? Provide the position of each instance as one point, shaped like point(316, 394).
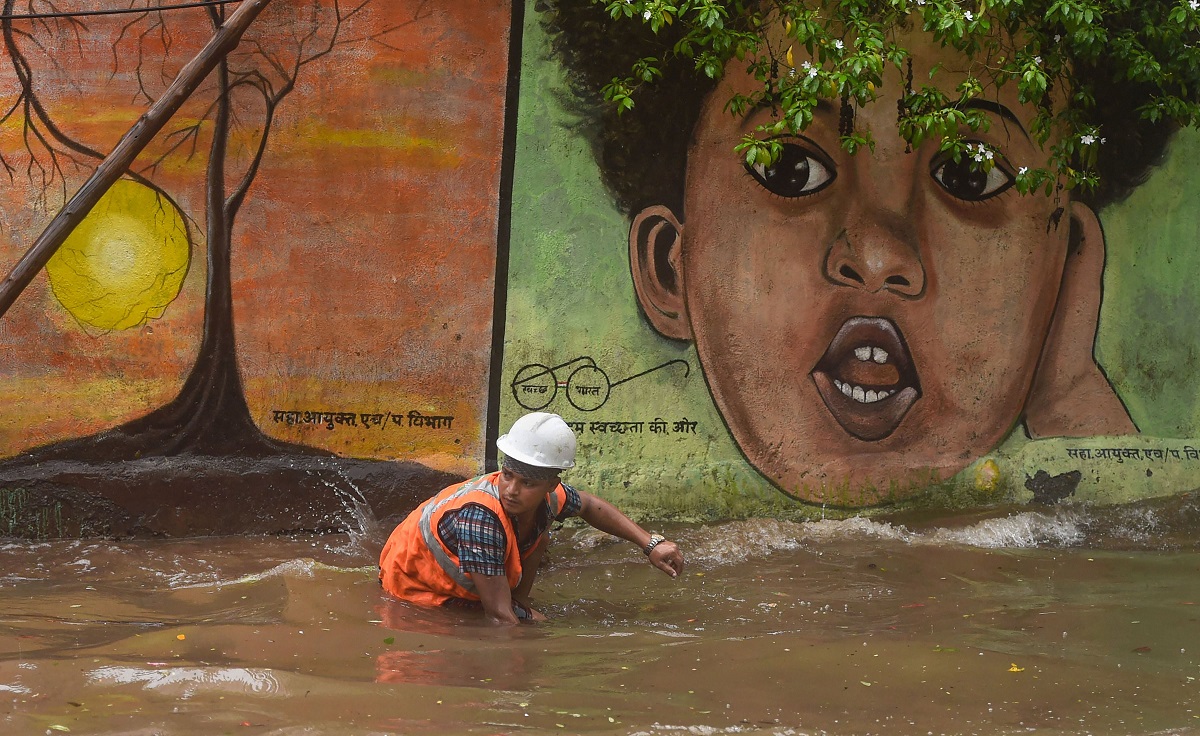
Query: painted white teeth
point(870, 352)
point(861, 395)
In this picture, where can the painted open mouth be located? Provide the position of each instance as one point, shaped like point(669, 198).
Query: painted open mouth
point(866, 377)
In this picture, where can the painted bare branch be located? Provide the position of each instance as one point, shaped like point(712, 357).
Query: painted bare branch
point(123, 154)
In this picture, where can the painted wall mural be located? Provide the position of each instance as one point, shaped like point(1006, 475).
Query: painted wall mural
point(299, 269)
point(866, 329)
point(379, 233)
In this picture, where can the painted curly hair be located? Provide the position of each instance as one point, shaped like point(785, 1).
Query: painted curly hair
point(659, 127)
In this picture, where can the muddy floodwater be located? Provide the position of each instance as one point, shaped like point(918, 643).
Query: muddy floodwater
point(1059, 621)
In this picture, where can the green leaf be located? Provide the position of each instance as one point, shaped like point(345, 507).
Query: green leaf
point(1151, 43)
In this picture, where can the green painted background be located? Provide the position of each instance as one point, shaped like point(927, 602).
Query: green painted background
point(570, 295)
point(1149, 333)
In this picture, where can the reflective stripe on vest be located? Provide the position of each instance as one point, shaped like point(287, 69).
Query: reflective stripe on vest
point(435, 545)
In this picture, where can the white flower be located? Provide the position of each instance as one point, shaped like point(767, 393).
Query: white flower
point(1037, 60)
point(971, 16)
point(920, 2)
point(838, 45)
point(1021, 171)
point(1194, 4)
point(981, 152)
point(1103, 141)
point(1058, 36)
point(646, 15)
point(1087, 140)
point(812, 73)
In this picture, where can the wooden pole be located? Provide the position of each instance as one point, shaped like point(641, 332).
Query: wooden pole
point(115, 164)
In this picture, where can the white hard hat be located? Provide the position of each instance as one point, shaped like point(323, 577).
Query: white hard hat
point(540, 439)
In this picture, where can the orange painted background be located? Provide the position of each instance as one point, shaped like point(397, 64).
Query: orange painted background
point(363, 258)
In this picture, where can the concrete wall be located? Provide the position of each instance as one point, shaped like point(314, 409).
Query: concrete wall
point(429, 249)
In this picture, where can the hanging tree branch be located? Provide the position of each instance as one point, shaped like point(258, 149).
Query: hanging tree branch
point(1060, 55)
point(131, 144)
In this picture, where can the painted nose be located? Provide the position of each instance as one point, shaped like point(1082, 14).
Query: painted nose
point(880, 255)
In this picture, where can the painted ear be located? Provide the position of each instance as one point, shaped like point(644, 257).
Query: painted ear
point(655, 259)
point(1071, 396)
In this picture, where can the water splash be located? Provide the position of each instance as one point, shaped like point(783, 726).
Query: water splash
point(301, 567)
point(1022, 530)
point(704, 730)
point(736, 541)
point(1150, 526)
point(365, 527)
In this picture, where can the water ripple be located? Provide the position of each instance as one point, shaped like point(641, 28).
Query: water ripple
point(185, 682)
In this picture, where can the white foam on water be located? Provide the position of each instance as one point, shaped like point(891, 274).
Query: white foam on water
point(703, 730)
point(1136, 524)
point(4, 579)
point(740, 540)
point(300, 567)
point(1023, 530)
point(737, 541)
point(15, 689)
point(674, 634)
point(22, 546)
point(184, 682)
point(180, 580)
point(855, 527)
point(734, 542)
point(303, 567)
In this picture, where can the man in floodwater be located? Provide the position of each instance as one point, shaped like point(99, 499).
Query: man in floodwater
point(479, 543)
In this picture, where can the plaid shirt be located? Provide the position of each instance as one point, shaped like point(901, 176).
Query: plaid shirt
point(475, 535)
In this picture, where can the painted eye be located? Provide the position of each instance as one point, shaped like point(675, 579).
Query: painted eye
point(799, 172)
point(971, 185)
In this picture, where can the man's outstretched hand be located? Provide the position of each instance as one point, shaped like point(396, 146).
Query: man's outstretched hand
point(667, 557)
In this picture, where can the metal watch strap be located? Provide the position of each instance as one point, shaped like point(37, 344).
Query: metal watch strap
point(655, 539)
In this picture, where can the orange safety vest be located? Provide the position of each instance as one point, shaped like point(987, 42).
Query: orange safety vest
point(415, 566)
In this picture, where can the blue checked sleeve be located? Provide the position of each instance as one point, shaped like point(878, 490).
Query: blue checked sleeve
point(572, 506)
point(481, 540)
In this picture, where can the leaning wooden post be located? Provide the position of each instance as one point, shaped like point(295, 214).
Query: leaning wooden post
point(115, 164)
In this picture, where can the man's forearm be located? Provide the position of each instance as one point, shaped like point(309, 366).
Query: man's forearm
point(496, 597)
point(607, 518)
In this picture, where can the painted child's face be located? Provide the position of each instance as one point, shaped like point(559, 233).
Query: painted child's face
point(864, 321)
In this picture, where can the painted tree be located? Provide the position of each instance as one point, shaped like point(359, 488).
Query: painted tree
point(233, 119)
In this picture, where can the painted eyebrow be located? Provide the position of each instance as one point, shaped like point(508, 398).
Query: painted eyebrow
point(823, 106)
point(998, 109)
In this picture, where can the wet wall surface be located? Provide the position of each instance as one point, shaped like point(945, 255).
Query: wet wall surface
point(203, 496)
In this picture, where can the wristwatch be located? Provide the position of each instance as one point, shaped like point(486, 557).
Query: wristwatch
point(654, 541)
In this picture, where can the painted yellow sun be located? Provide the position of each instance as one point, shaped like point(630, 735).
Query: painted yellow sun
point(125, 262)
